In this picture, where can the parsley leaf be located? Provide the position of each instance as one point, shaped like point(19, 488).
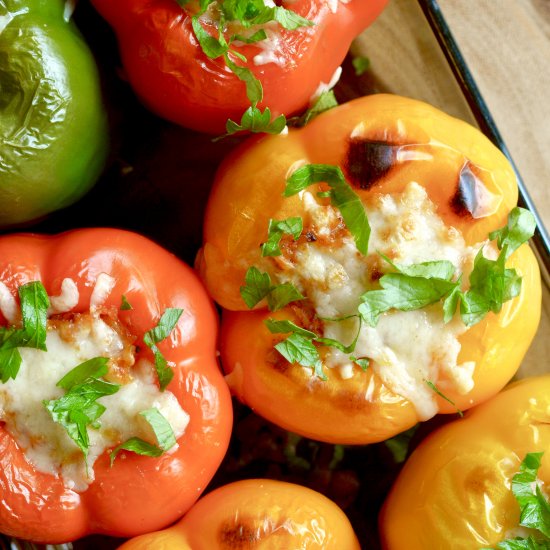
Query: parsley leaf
point(152, 337)
point(362, 362)
point(256, 121)
point(327, 100)
point(211, 46)
point(491, 284)
point(299, 348)
point(34, 311)
point(276, 230)
point(125, 305)
point(534, 508)
point(258, 286)
point(246, 13)
point(361, 65)
point(282, 295)
point(437, 269)
point(435, 389)
point(10, 362)
point(342, 197)
point(519, 229)
point(138, 446)
point(399, 444)
point(258, 36)
point(284, 326)
point(254, 90)
point(523, 544)
point(164, 435)
point(288, 19)
point(78, 408)
point(403, 292)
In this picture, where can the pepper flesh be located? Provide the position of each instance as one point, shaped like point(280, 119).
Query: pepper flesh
point(174, 78)
point(52, 121)
point(265, 514)
point(138, 493)
point(456, 486)
point(249, 192)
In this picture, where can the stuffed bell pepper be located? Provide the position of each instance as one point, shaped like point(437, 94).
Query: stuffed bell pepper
point(478, 482)
point(53, 126)
point(256, 513)
point(202, 63)
point(372, 269)
point(114, 415)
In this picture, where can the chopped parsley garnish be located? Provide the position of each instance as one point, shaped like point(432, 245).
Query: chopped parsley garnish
point(519, 229)
point(300, 349)
point(534, 507)
point(125, 305)
point(341, 194)
point(157, 334)
point(78, 409)
point(299, 346)
point(436, 390)
point(34, 311)
point(491, 283)
point(275, 232)
point(327, 100)
point(164, 435)
point(248, 14)
point(403, 292)
point(399, 444)
point(361, 65)
point(258, 286)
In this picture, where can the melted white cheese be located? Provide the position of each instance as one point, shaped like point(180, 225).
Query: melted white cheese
point(8, 305)
point(326, 86)
point(45, 443)
point(333, 4)
point(406, 348)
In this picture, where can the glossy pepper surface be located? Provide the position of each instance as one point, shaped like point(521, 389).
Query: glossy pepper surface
point(456, 485)
point(174, 78)
point(381, 143)
point(138, 493)
point(53, 126)
point(264, 514)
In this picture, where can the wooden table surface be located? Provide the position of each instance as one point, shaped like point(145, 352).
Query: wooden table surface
point(506, 44)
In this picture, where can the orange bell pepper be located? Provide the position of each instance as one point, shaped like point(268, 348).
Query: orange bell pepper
point(257, 513)
point(174, 78)
point(381, 143)
point(136, 494)
point(456, 487)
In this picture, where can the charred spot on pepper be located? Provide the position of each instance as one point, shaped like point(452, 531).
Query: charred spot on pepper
point(470, 192)
point(239, 535)
point(310, 236)
point(369, 160)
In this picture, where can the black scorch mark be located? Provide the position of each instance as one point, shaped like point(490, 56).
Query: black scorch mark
point(369, 160)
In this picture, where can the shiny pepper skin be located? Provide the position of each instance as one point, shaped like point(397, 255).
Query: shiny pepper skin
point(53, 126)
point(175, 79)
point(455, 488)
point(257, 513)
point(137, 494)
point(381, 143)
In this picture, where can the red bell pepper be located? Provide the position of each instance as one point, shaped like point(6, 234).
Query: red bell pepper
point(137, 494)
point(172, 75)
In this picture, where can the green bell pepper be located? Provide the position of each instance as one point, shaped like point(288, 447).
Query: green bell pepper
point(53, 125)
